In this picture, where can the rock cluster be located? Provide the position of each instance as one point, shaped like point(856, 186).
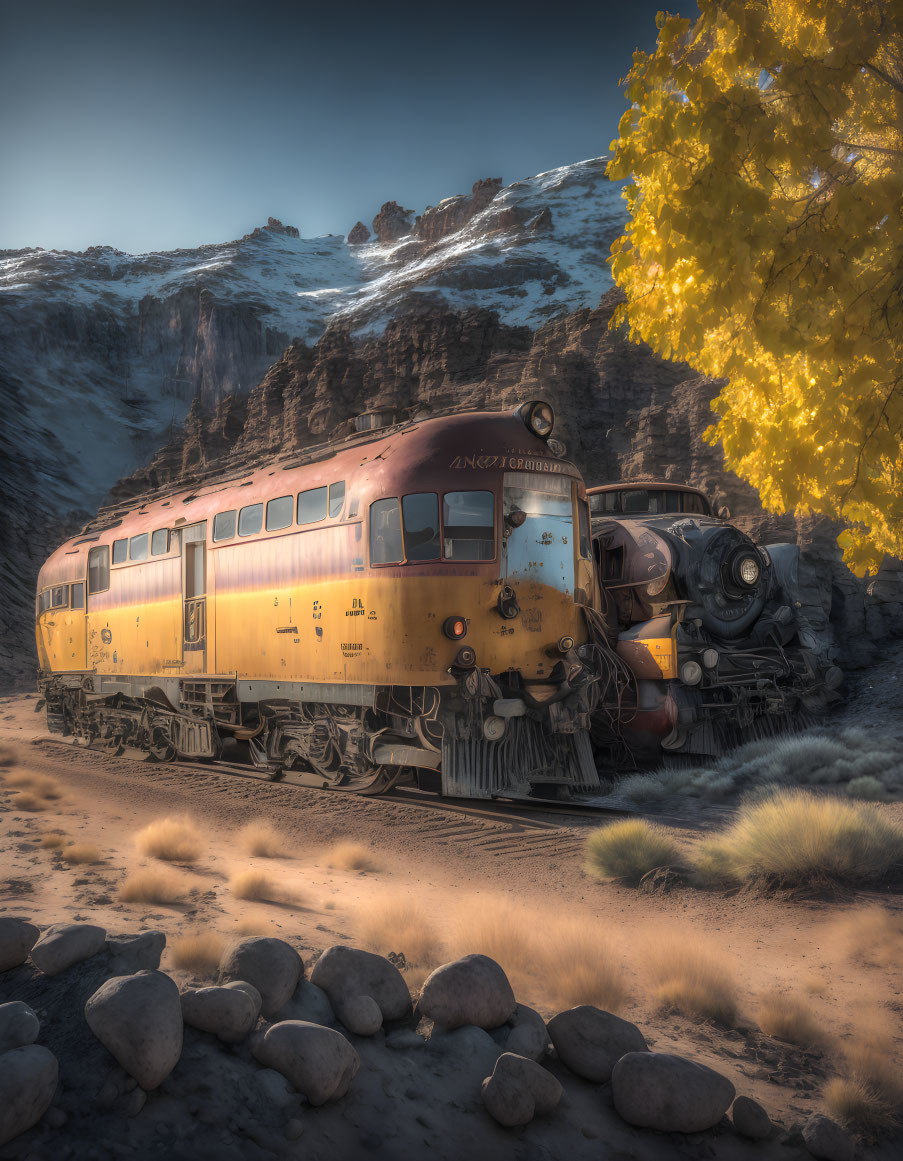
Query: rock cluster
point(472, 990)
point(271, 965)
point(392, 222)
point(452, 213)
point(364, 989)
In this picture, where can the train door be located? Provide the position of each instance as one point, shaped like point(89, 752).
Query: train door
point(538, 531)
point(194, 598)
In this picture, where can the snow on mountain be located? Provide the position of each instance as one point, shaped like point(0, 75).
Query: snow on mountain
point(101, 352)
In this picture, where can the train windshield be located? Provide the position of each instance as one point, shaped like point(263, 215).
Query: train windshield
point(538, 533)
point(647, 502)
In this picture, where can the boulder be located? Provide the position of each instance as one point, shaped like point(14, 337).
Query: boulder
point(271, 965)
point(528, 1036)
point(18, 1025)
point(471, 990)
point(358, 234)
point(138, 1019)
point(827, 1141)
point(28, 1077)
point(518, 1089)
point(229, 1013)
point(135, 953)
point(248, 989)
point(590, 1041)
point(65, 944)
point(654, 1090)
point(392, 222)
point(309, 1003)
point(318, 1061)
point(750, 1119)
point(17, 938)
point(363, 988)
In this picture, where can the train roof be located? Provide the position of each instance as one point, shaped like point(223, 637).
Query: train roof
point(629, 485)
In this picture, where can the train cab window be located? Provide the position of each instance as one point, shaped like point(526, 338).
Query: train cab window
point(59, 597)
point(468, 520)
point(44, 601)
point(160, 542)
point(77, 595)
point(385, 532)
point(695, 504)
point(224, 525)
point(99, 568)
point(138, 547)
point(612, 564)
point(279, 513)
point(421, 526)
point(312, 505)
point(672, 501)
point(336, 499)
point(604, 503)
point(586, 544)
point(250, 520)
point(120, 551)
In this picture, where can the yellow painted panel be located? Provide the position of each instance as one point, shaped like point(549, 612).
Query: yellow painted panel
point(662, 650)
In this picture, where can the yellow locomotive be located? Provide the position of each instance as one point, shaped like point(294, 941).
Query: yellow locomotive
point(407, 601)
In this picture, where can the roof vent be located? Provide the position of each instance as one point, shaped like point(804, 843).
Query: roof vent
point(373, 420)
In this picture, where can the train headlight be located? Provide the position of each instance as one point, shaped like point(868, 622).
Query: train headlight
point(747, 570)
point(565, 644)
point(710, 658)
point(654, 587)
point(493, 728)
point(466, 658)
point(454, 628)
point(691, 673)
point(538, 416)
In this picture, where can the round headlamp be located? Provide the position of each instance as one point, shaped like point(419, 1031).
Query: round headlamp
point(539, 417)
point(747, 570)
point(691, 673)
point(654, 587)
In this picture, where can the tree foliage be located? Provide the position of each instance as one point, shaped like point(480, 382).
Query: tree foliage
point(764, 152)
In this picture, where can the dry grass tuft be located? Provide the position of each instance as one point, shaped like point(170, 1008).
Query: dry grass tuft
point(788, 1017)
point(53, 840)
point(25, 800)
point(178, 840)
point(79, 853)
point(258, 887)
point(199, 952)
point(398, 924)
point(794, 839)
point(262, 840)
point(38, 784)
point(154, 885)
point(869, 1095)
point(628, 850)
point(351, 856)
point(692, 977)
point(873, 935)
point(9, 755)
point(550, 958)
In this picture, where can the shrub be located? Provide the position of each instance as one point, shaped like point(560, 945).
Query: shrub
point(399, 925)
point(868, 788)
point(873, 934)
point(262, 840)
point(793, 838)
point(868, 1096)
point(351, 856)
point(53, 840)
point(39, 785)
point(177, 840)
point(79, 853)
point(25, 800)
point(9, 755)
point(155, 885)
point(693, 978)
point(198, 952)
point(256, 886)
point(788, 1017)
point(629, 849)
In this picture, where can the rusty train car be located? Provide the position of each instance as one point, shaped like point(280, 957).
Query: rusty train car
point(412, 603)
point(706, 620)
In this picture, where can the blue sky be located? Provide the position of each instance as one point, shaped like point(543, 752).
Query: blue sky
point(157, 125)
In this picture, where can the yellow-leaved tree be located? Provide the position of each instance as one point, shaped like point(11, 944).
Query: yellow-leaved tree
point(764, 158)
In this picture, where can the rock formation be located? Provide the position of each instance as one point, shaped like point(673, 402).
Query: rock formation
point(392, 222)
point(451, 214)
point(358, 234)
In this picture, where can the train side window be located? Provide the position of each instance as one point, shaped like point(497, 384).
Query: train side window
point(586, 548)
point(250, 520)
point(120, 551)
point(336, 499)
point(44, 601)
point(421, 526)
point(312, 505)
point(138, 547)
point(59, 596)
point(99, 568)
point(279, 513)
point(694, 503)
point(385, 532)
point(77, 596)
point(613, 564)
point(468, 520)
point(160, 542)
point(224, 525)
point(672, 501)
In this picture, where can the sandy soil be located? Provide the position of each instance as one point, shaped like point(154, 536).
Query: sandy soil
point(449, 858)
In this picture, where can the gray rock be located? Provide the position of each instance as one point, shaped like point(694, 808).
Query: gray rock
point(248, 989)
point(471, 990)
point(17, 938)
point(271, 965)
point(133, 1102)
point(309, 1003)
point(654, 1090)
point(528, 1036)
point(827, 1141)
point(138, 1019)
point(351, 977)
point(518, 1089)
point(65, 944)
point(405, 1038)
point(229, 1013)
point(294, 1129)
point(750, 1119)
point(28, 1077)
point(135, 953)
point(318, 1061)
point(18, 1025)
point(590, 1041)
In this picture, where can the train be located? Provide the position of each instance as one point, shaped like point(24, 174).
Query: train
point(438, 601)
